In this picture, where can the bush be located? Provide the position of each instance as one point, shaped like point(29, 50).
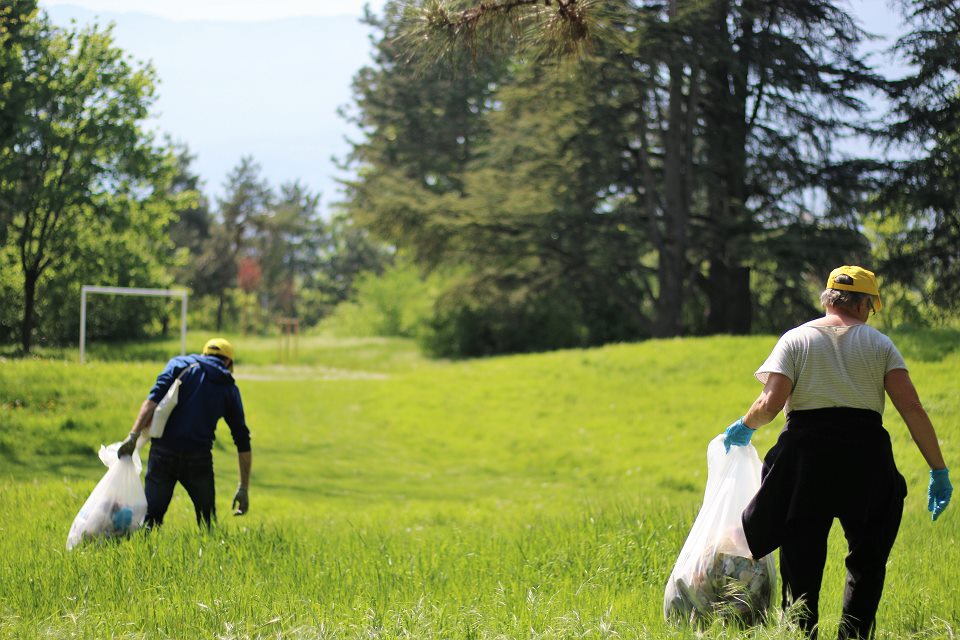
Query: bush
point(398, 303)
point(460, 315)
point(11, 297)
point(472, 322)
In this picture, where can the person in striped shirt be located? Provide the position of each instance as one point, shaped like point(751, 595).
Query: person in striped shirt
point(833, 458)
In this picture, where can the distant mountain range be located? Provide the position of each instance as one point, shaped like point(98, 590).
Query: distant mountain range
point(229, 89)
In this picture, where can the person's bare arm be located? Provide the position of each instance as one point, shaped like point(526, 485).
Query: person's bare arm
point(245, 459)
point(907, 402)
point(145, 417)
point(770, 402)
point(241, 500)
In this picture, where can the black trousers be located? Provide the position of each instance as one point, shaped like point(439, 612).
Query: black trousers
point(829, 464)
point(192, 469)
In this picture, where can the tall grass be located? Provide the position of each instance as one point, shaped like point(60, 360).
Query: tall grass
point(540, 496)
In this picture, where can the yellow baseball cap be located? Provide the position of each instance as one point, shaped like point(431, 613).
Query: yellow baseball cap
point(864, 281)
point(219, 347)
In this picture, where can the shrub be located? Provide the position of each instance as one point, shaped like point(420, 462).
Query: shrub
point(472, 321)
point(397, 303)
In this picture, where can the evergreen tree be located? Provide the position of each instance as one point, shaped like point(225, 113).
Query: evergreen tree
point(421, 126)
point(782, 85)
point(731, 110)
point(190, 227)
point(288, 247)
point(242, 212)
point(924, 191)
point(546, 217)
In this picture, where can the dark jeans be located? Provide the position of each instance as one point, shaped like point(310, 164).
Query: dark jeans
point(829, 464)
point(804, 553)
point(192, 469)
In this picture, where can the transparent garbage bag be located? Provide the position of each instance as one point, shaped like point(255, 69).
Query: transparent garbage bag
point(715, 574)
point(117, 505)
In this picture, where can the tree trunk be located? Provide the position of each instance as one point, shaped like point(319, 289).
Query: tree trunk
point(740, 311)
point(716, 291)
point(727, 282)
point(220, 303)
point(673, 248)
point(29, 303)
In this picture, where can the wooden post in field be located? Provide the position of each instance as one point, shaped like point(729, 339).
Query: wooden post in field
point(289, 338)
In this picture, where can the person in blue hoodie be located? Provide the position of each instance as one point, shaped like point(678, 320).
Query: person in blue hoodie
point(183, 453)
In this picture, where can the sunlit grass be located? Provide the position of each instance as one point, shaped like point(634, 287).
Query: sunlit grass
point(540, 496)
point(311, 350)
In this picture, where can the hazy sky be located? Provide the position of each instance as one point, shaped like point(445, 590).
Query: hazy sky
point(875, 13)
point(233, 10)
point(235, 81)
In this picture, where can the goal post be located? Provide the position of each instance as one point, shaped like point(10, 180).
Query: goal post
point(132, 291)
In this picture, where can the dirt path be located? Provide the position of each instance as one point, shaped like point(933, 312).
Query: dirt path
point(278, 372)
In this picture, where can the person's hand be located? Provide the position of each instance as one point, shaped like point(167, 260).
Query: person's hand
point(939, 492)
point(128, 446)
point(241, 502)
point(737, 435)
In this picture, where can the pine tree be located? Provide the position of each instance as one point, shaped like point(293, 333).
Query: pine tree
point(736, 108)
point(924, 191)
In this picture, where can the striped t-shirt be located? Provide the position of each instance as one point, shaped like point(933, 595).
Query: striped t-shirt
point(833, 366)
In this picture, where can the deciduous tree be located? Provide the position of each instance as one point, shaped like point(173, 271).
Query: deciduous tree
point(75, 151)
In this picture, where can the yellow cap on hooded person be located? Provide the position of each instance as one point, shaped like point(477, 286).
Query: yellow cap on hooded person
point(864, 281)
point(219, 347)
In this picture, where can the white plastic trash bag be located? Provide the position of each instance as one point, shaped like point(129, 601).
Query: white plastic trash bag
point(167, 404)
point(117, 505)
point(715, 574)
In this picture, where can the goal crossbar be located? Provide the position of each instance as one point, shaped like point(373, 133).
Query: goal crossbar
point(132, 291)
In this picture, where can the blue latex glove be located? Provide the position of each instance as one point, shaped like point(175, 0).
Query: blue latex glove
point(737, 435)
point(939, 492)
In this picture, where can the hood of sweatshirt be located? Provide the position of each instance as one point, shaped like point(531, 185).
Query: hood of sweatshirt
point(215, 370)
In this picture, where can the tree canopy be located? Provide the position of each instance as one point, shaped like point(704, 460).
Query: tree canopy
point(923, 191)
point(661, 167)
point(89, 196)
point(567, 173)
point(76, 168)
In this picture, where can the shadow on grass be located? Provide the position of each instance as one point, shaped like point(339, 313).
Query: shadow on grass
point(40, 466)
point(7, 453)
point(143, 351)
point(146, 350)
point(54, 458)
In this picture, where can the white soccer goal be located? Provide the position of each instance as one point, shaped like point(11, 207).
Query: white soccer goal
point(132, 291)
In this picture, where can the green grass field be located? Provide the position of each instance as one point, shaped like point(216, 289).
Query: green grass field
point(539, 496)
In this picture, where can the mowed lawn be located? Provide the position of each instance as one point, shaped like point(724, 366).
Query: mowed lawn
point(536, 496)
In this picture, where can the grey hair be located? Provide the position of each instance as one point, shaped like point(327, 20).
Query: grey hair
point(844, 300)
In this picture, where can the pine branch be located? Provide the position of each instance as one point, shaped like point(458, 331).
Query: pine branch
point(433, 31)
point(470, 18)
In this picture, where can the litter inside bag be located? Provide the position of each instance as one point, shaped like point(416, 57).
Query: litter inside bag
point(715, 574)
point(117, 505)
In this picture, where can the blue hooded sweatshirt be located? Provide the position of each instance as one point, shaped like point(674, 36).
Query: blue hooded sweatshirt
point(207, 393)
